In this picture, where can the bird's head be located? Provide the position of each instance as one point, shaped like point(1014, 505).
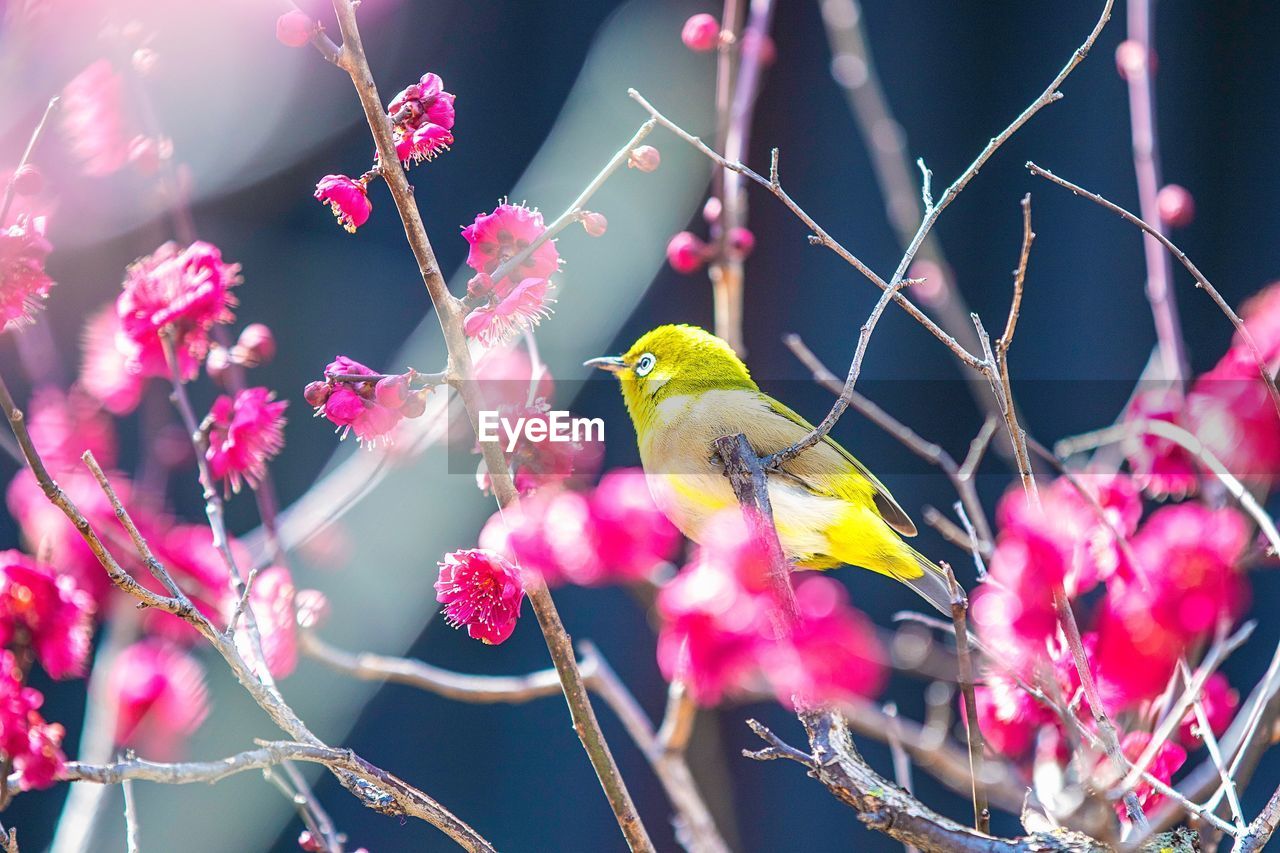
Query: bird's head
point(671, 361)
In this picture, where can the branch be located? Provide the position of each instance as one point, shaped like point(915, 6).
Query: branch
point(450, 314)
point(1201, 282)
point(959, 610)
point(886, 808)
point(10, 187)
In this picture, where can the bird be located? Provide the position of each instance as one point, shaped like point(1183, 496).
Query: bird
point(684, 388)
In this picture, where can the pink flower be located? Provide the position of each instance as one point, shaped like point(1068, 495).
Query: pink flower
point(522, 308)
point(347, 198)
point(1219, 702)
point(1261, 316)
point(631, 536)
point(354, 405)
point(422, 117)
point(24, 284)
point(47, 610)
point(103, 373)
point(686, 253)
point(497, 237)
point(1162, 468)
point(539, 464)
point(33, 746)
point(833, 652)
point(160, 697)
point(64, 426)
point(182, 292)
point(424, 143)
point(1168, 760)
point(93, 119)
point(482, 590)
point(271, 598)
point(42, 762)
point(244, 433)
point(1008, 716)
point(188, 552)
point(548, 535)
point(1230, 410)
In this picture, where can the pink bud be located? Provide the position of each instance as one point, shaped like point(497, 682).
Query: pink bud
point(392, 391)
point(480, 286)
point(144, 60)
point(294, 28)
point(313, 608)
point(761, 47)
point(316, 393)
point(144, 154)
point(1131, 58)
point(28, 180)
point(306, 840)
point(1176, 205)
point(740, 242)
point(595, 224)
point(645, 158)
point(701, 33)
point(256, 346)
point(686, 253)
point(217, 363)
point(711, 210)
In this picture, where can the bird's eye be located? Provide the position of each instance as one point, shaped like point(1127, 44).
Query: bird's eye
point(645, 365)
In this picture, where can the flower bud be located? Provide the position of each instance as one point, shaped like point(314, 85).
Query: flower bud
point(480, 286)
point(740, 241)
point(701, 33)
point(711, 210)
point(645, 158)
point(256, 346)
point(312, 606)
point(686, 253)
point(307, 841)
point(294, 28)
point(415, 404)
point(1131, 58)
point(1176, 205)
point(28, 180)
point(217, 363)
point(392, 391)
point(316, 393)
point(594, 224)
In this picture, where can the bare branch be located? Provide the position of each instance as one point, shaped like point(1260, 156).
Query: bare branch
point(959, 611)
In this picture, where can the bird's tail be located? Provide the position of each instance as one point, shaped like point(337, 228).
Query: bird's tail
point(927, 578)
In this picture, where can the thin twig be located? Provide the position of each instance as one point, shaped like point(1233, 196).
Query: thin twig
point(10, 187)
point(959, 610)
point(130, 817)
point(1211, 746)
point(1201, 282)
point(901, 762)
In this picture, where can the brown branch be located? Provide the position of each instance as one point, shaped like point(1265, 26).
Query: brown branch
point(1201, 282)
point(449, 311)
point(886, 808)
point(959, 611)
point(1262, 828)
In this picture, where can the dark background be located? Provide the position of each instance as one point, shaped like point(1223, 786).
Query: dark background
point(955, 73)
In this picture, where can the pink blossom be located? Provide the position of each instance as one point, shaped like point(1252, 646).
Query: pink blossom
point(347, 198)
point(1261, 315)
point(539, 464)
point(686, 253)
point(1230, 410)
point(1168, 760)
point(497, 237)
point(47, 610)
point(1008, 716)
point(24, 284)
point(422, 119)
point(354, 405)
point(1219, 702)
point(42, 762)
point(93, 119)
point(244, 433)
point(181, 292)
point(271, 598)
point(1161, 467)
point(548, 535)
point(740, 242)
point(422, 143)
point(595, 224)
point(200, 568)
point(521, 309)
point(65, 425)
point(103, 373)
point(631, 536)
point(32, 745)
point(160, 697)
point(481, 590)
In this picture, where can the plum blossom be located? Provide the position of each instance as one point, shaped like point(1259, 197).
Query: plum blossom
point(94, 121)
point(1230, 410)
point(540, 464)
point(271, 598)
point(1169, 758)
point(347, 198)
point(32, 745)
point(183, 292)
point(244, 433)
point(630, 535)
point(422, 117)
point(65, 425)
point(47, 610)
point(371, 408)
point(687, 253)
point(1008, 716)
point(24, 284)
point(1162, 468)
point(1219, 702)
point(103, 373)
point(497, 237)
point(160, 697)
point(522, 308)
point(481, 590)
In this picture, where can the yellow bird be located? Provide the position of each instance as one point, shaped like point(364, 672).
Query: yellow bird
point(685, 387)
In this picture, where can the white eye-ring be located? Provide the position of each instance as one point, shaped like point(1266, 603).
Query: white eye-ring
point(645, 365)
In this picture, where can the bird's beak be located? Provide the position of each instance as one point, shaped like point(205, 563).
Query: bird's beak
point(611, 363)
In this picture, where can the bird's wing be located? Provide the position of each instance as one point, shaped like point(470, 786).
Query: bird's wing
point(889, 510)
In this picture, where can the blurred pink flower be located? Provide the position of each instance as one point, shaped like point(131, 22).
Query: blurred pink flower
point(520, 309)
point(354, 405)
point(1161, 467)
point(271, 598)
point(481, 590)
point(631, 536)
point(103, 373)
point(540, 464)
point(347, 198)
point(244, 433)
point(160, 697)
point(1168, 760)
point(47, 610)
point(65, 425)
point(497, 237)
point(686, 252)
point(32, 745)
point(548, 534)
point(24, 284)
point(183, 292)
point(1219, 702)
point(94, 121)
point(1230, 410)
point(1008, 716)
point(42, 761)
